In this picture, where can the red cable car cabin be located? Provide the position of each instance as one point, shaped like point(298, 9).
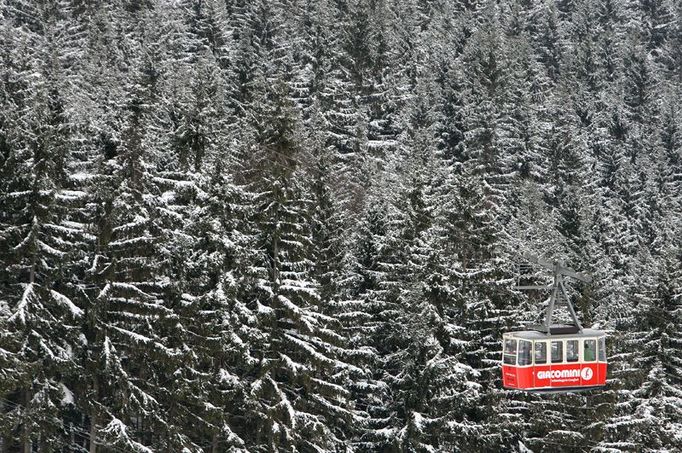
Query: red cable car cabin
point(554, 358)
point(535, 361)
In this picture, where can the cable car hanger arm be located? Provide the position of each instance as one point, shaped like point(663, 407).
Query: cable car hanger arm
point(558, 268)
point(558, 289)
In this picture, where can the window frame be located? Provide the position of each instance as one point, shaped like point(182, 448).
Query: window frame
point(601, 349)
point(584, 358)
point(505, 354)
point(562, 359)
point(544, 343)
point(574, 358)
point(529, 351)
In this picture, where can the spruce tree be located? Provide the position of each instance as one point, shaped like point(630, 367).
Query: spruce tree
point(43, 245)
point(294, 394)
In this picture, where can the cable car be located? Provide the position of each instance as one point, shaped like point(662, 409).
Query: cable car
point(552, 357)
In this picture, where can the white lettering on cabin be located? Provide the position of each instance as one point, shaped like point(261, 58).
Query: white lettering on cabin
point(558, 374)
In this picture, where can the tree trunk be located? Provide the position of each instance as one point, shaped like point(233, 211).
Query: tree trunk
point(93, 420)
point(214, 444)
point(25, 432)
point(93, 433)
point(2, 444)
point(2, 438)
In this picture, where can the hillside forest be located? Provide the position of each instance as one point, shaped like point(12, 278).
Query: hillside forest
point(296, 225)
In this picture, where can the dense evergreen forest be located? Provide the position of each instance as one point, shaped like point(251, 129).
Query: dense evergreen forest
point(294, 225)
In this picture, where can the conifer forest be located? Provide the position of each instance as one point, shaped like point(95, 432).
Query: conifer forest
point(297, 225)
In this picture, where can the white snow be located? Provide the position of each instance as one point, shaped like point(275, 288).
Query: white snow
point(20, 311)
point(67, 397)
point(65, 301)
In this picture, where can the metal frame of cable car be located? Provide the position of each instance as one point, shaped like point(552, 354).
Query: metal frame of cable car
point(574, 359)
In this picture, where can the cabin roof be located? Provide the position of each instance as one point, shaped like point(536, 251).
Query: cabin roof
point(535, 335)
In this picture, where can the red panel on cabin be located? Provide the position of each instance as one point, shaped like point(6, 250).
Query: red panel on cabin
point(554, 376)
point(509, 376)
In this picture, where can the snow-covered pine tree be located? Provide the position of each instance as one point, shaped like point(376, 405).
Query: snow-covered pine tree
point(329, 246)
point(378, 83)
point(364, 325)
point(386, 330)
point(294, 394)
point(205, 250)
point(414, 315)
point(333, 271)
point(257, 26)
point(211, 262)
point(129, 316)
point(343, 122)
point(42, 241)
point(546, 39)
point(672, 55)
point(652, 409)
point(433, 391)
point(209, 21)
